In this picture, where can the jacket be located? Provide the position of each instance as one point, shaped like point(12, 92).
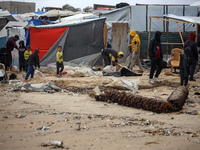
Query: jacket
point(184, 62)
point(136, 41)
point(27, 54)
point(2, 56)
point(34, 59)
point(193, 47)
point(11, 44)
point(112, 54)
point(153, 46)
point(22, 49)
point(59, 57)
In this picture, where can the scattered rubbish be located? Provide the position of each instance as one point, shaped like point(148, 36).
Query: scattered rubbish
point(40, 132)
point(79, 126)
point(197, 141)
point(12, 76)
point(197, 93)
point(147, 143)
point(191, 101)
point(19, 116)
point(195, 112)
point(48, 87)
point(55, 144)
point(43, 128)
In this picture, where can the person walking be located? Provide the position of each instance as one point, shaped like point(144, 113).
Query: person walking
point(33, 62)
point(59, 61)
point(22, 49)
point(134, 56)
point(193, 54)
point(156, 56)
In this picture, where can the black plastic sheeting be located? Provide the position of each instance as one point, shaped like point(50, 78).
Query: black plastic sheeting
point(122, 72)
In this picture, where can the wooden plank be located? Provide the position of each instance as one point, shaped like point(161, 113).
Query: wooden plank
point(180, 33)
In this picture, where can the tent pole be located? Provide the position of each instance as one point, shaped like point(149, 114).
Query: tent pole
point(167, 40)
point(180, 34)
point(197, 26)
point(149, 35)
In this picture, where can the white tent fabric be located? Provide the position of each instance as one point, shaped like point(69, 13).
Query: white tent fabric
point(138, 17)
point(77, 17)
point(184, 18)
point(55, 13)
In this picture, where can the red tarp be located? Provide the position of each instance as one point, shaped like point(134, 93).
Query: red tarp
point(43, 39)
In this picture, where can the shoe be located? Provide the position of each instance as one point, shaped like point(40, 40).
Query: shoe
point(141, 71)
point(151, 81)
point(25, 81)
point(156, 79)
point(192, 80)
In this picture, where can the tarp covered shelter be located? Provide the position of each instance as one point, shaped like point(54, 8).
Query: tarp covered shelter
point(178, 20)
point(78, 40)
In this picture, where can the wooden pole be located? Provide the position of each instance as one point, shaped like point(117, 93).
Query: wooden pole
point(180, 34)
point(149, 35)
point(167, 40)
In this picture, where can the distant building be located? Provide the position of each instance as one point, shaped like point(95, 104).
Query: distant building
point(18, 7)
point(46, 9)
point(103, 7)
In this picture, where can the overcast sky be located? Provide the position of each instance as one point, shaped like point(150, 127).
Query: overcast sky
point(84, 3)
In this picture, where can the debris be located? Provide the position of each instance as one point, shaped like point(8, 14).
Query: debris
point(130, 100)
point(19, 116)
point(152, 142)
point(197, 93)
point(178, 97)
point(56, 144)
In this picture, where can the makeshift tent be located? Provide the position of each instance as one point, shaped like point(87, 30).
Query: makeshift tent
point(78, 40)
point(177, 20)
point(138, 16)
point(5, 16)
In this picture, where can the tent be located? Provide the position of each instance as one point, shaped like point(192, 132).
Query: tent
point(191, 20)
point(78, 40)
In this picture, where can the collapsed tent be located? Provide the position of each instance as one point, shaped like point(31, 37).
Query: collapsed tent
point(78, 40)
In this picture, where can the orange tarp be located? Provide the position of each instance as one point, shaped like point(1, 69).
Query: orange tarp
point(43, 39)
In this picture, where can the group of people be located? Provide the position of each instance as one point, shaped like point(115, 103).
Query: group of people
point(187, 60)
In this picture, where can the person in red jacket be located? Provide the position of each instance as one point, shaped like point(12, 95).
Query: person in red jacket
point(11, 44)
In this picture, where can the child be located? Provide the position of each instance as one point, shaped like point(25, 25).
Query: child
point(184, 66)
point(33, 62)
point(3, 54)
point(26, 57)
point(59, 61)
point(22, 49)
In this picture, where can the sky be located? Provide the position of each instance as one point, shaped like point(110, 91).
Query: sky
point(84, 3)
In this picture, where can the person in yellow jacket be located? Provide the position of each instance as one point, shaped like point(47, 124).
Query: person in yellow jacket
point(134, 56)
point(27, 53)
point(59, 61)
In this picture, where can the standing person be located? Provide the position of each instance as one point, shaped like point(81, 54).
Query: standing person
point(33, 62)
point(59, 61)
point(193, 54)
point(26, 57)
point(184, 66)
point(3, 54)
point(11, 44)
point(134, 56)
point(111, 56)
point(22, 49)
point(156, 56)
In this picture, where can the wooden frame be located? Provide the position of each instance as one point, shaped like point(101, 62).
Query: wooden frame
point(170, 20)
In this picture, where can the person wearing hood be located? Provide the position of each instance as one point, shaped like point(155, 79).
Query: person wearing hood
point(22, 49)
point(184, 66)
point(156, 56)
point(11, 44)
point(111, 56)
point(33, 62)
point(3, 53)
point(193, 54)
point(134, 56)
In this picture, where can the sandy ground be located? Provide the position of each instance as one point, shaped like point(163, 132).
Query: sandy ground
point(83, 123)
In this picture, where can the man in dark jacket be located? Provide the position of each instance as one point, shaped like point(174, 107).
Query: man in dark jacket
point(156, 56)
point(22, 49)
point(184, 66)
point(111, 56)
point(33, 62)
point(11, 44)
point(3, 55)
point(193, 54)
